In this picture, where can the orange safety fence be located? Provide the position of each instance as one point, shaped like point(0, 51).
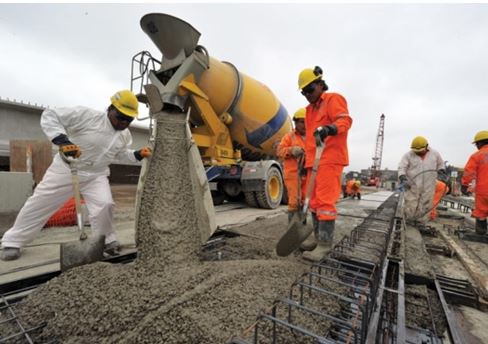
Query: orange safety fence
point(65, 216)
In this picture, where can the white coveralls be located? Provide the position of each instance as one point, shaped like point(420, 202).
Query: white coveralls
point(100, 145)
point(422, 175)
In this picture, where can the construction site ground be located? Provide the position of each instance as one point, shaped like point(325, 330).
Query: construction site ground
point(42, 255)
point(216, 300)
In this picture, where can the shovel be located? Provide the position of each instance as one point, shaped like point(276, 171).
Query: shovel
point(86, 250)
point(298, 231)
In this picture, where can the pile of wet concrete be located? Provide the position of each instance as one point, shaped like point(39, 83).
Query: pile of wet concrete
point(168, 295)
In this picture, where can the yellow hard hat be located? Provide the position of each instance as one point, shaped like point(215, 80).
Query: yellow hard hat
point(358, 183)
point(299, 114)
point(480, 136)
point(126, 102)
point(419, 144)
point(308, 75)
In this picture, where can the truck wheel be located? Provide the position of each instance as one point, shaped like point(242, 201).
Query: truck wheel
point(218, 197)
point(272, 190)
point(251, 199)
point(232, 190)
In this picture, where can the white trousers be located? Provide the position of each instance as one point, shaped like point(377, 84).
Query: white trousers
point(51, 193)
point(418, 203)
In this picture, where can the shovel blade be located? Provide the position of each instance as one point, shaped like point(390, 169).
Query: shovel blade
point(297, 232)
point(81, 252)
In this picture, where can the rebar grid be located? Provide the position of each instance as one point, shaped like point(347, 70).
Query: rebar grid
point(11, 327)
point(333, 302)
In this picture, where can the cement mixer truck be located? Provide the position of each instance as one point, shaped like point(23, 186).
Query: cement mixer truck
point(236, 121)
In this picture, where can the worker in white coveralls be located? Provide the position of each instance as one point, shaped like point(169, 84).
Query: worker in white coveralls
point(95, 139)
point(418, 171)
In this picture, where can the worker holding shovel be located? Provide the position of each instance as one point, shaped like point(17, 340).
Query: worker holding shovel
point(327, 121)
point(95, 139)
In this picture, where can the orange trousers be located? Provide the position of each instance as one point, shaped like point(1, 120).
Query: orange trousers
point(326, 191)
point(291, 184)
point(480, 206)
point(440, 190)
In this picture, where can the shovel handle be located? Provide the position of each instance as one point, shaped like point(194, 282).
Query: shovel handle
point(76, 193)
point(311, 182)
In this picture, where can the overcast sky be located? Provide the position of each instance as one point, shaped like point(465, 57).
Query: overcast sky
point(424, 66)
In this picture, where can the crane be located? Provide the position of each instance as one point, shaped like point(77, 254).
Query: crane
point(374, 178)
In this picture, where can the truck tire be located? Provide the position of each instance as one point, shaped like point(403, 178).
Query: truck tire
point(218, 197)
point(232, 190)
point(251, 199)
point(271, 190)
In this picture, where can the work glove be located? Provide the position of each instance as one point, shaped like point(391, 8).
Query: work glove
point(404, 183)
point(322, 132)
point(70, 150)
point(442, 176)
point(143, 153)
point(464, 190)
point(67, 147)
point(296, 151)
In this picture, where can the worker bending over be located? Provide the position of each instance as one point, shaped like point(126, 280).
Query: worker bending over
point(356, 189)
point(477, 169)
point(95, 139)
point(353, 188)
point(328, 120)
point(417, 172)
point(292, 150)
point(441, 189)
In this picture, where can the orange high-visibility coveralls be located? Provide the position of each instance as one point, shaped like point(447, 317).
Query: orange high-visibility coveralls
point(331, 108)
point(355, 189)
point(349, 185)
point(290, 167)
point(477, 168)
point(441, 190)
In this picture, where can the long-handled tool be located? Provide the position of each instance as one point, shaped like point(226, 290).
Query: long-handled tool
point(298, 231)
point(86, 250)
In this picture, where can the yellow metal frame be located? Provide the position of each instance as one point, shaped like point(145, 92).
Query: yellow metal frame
point(213, 138)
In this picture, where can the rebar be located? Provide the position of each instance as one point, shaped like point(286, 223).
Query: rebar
point(333, 302)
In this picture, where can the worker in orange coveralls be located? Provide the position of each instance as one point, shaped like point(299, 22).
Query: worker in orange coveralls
point(441, 189)
point(292, 150)
point(477, 169)
point(328, 120)
point(356, 189)
point(349, 185)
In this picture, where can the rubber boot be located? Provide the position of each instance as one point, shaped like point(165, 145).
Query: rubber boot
point(10, 253)
point(481, 226)
point(325, 241)
point(359, 196)
point(311, 242)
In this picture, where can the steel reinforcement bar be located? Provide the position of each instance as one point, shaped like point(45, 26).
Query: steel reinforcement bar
point(334, 301)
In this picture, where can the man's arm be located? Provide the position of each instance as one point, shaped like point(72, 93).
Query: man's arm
point(339, 113)
point(470, 170)
point(284, 148)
